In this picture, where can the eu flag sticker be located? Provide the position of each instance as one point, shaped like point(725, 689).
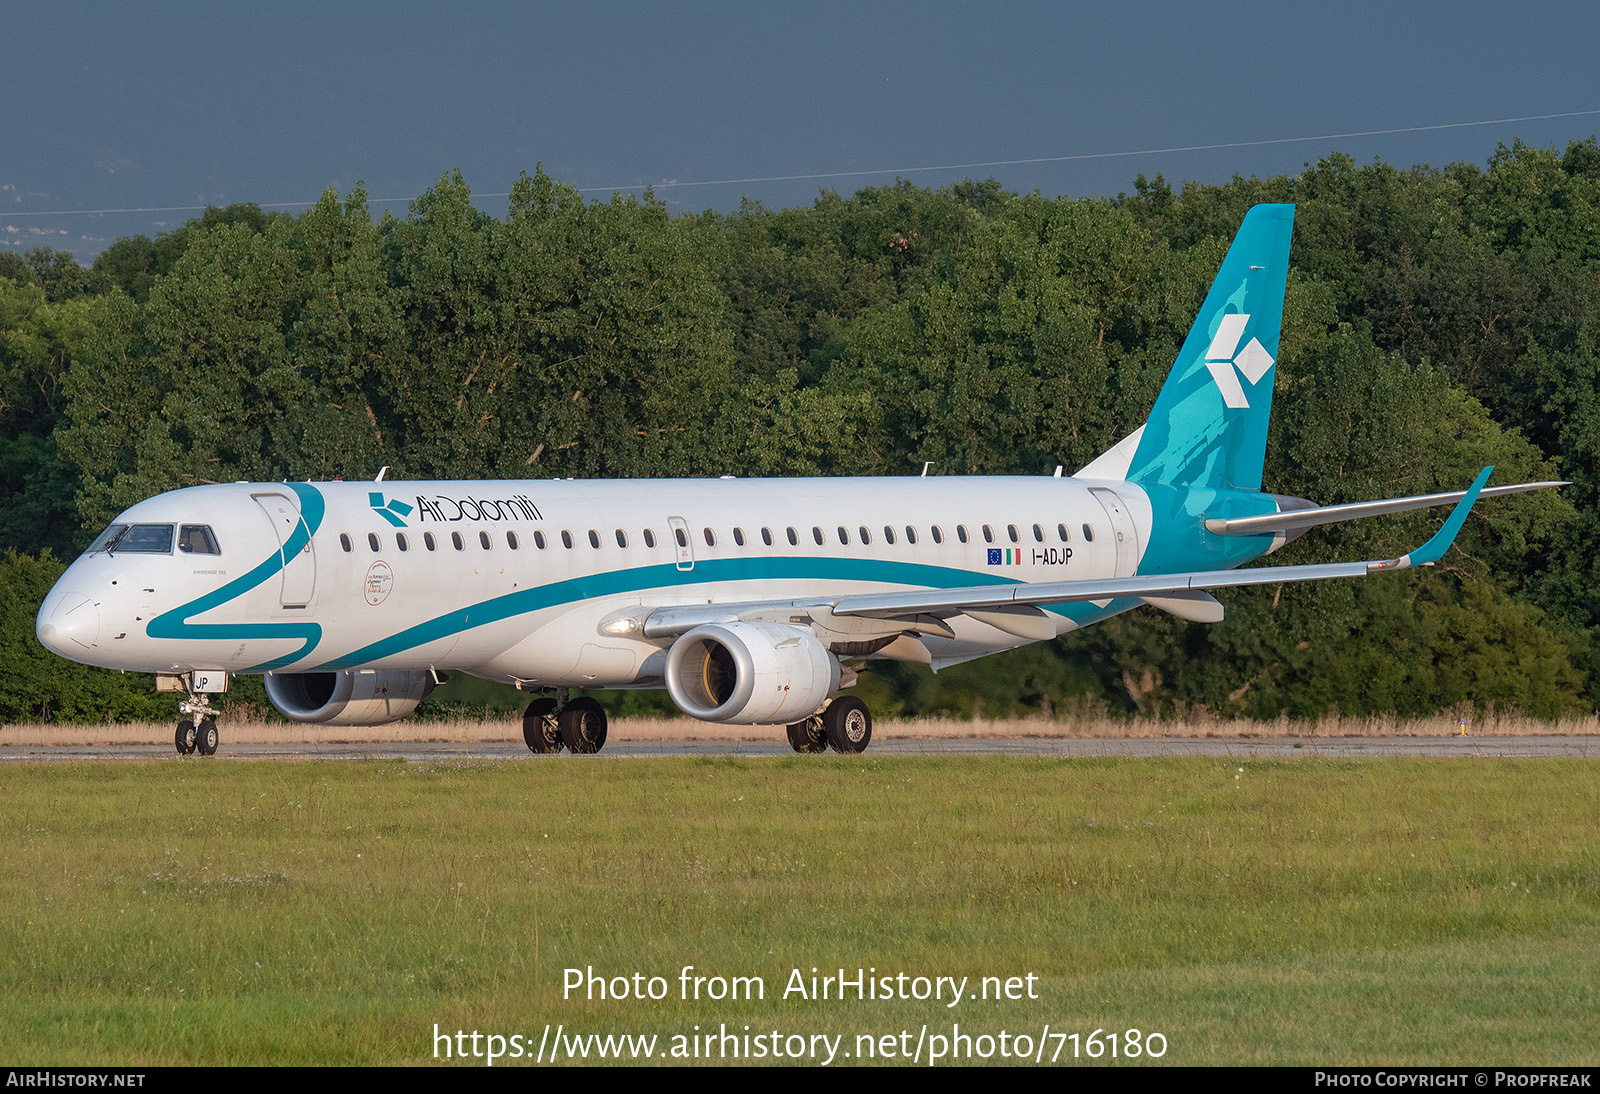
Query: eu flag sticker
point(994, 556)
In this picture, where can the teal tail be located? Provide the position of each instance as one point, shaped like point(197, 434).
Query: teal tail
point(1209, 425)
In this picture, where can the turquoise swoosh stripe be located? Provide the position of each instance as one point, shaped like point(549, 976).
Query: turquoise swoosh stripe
point(175, 624)
point(655, 577)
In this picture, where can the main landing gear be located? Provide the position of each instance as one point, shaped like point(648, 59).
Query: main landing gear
point(845, 725)
point(551, 723)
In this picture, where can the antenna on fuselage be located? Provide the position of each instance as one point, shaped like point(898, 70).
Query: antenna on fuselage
point(384, 470)
point(926, 464)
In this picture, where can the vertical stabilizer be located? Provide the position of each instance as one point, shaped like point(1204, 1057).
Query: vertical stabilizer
point(1209, 425)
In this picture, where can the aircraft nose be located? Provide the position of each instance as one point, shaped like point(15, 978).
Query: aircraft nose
point(70, 626)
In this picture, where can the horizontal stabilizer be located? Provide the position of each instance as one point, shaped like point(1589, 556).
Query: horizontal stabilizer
point(1301, 519)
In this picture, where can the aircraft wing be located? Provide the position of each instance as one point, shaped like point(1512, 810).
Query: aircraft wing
point(1014, 608)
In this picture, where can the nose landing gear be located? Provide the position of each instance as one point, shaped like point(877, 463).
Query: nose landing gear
point(197, 732)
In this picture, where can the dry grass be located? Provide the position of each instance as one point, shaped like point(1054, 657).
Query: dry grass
point(247, 730)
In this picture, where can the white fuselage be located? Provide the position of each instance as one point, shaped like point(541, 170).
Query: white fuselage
point(536, 581)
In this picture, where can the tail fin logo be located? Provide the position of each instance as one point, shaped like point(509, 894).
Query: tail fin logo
point(1224, 357)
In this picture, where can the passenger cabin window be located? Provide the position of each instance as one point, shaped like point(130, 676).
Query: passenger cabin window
point(866, 536)
point(428, 541)
point(766, 536)
point(538, 540)
point(794, 540)
point(938, 534)
point(566, 539)
point(622, 538)
point(649, 538)
point(511, 540)
point(988, 534)
point(711, 537)
point(682, 536)
point(456, 541)
point(1088, 534)
point(888, 534)
point(738, 536)
point(372, 541)
point(911, 534)
point(344, 541)
point(594, 539)
point(400, 541)
point(483, 540)
point(844, 536)
point(1011, 530)
point(961, 532)
point(1038, 534)
point(816, 534)
point(196, 539)
point(1061, 530)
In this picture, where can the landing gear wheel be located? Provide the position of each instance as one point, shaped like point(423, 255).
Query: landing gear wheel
point(205, 738)
point(539, 727)
point(807, 736)
point(185, 736)
point(583, 726)
point(847, 725)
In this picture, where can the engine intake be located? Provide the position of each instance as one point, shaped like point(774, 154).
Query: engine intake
point(750, 673)
point(367, 698)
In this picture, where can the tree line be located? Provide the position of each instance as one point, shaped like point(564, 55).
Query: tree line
point(1436, 320)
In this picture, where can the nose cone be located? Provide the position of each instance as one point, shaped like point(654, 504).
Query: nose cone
point(69, 625)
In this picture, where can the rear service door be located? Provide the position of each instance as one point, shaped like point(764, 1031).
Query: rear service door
point(1121, 527)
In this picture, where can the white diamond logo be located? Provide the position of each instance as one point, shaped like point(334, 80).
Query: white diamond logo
point(1224, 357)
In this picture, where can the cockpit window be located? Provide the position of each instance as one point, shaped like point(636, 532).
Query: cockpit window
point(145, 539)
point(196, 539)
point(105, 537)
point(149, 539)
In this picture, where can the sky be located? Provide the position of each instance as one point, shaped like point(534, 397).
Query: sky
point(156, 110)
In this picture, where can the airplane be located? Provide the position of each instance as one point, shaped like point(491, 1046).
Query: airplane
point(753, 602)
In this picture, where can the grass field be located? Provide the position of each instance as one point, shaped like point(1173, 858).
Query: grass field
point(249, 729)
point(1300, 912)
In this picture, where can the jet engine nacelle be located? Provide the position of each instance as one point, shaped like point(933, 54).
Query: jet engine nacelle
point(368, 698)
point(750, 673)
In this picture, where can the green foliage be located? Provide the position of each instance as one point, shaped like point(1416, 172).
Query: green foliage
point(60, 276)
point(134, 263)
point(38, 339)
point(1436, 321)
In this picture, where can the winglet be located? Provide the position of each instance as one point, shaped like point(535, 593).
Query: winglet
point(1433, 550)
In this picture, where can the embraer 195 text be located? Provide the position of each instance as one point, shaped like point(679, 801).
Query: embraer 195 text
point(747, 600)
